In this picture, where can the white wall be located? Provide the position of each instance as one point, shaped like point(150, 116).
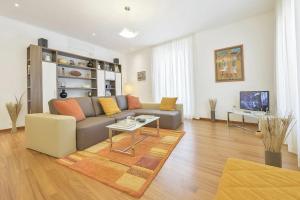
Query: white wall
point(140, 61)
point(15, 37)
point(257, 34)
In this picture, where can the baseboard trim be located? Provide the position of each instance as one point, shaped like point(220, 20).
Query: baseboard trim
point(224, 121)
point(9, 129)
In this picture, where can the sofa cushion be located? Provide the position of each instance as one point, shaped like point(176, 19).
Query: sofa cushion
point(168, 103)
point(109, 106)
point(86, 106)
point(69, 107)
point(122, 102)
point(97, 106)
point(133, 102)
point(84, 102)
point(91, 131)
point(168, 119)
point(123, 115)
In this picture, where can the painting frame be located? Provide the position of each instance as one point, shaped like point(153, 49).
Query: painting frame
point(141, 76)
point(240, 67)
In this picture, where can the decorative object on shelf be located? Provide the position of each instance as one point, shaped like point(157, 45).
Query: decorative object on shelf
point(90, 94)
point(141, 76)
point(213, 104)
point(274, 131)
point(72, 62)
point(75, 73)
point(28, 69)
point(229, 64)
point(107, 67)
point(63, 61)
point(90, 64)
point(88, 75)
point(43, 42)
point(98, 66)
point(61, 83)
point(63, 94)
point(63, 71)
point(13, 109)
point(102, 67)
point(48, 57)
point(117, 69)
point(82, 64)
point(116, 60)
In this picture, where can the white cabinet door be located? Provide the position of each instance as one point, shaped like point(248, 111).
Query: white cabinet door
point(100, 83)
point(49, 84)
point(118, 84)
point(110, 76)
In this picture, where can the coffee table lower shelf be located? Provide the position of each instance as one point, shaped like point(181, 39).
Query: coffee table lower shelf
point(130, 150)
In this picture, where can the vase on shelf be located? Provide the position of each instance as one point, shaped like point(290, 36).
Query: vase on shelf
point(63, 94)
point(90, 64)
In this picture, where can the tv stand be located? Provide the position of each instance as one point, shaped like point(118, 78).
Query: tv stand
point(252, 114)
point(247, 111)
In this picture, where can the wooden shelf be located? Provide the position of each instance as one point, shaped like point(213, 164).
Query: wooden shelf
point(74, 77)
point(76, 67)
point(76, 88)
point(48, 61)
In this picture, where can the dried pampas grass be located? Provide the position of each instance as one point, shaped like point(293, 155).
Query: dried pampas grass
point(14, 109)
point(213, 104)
point(274, 131)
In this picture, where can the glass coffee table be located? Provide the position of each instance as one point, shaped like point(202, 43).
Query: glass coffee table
point(132, 126)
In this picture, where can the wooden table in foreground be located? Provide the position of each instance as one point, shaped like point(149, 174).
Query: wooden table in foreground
point(132, 126)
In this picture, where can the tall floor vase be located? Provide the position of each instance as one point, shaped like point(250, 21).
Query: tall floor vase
point(273, 158)
point(213, 115)
point(14, 128)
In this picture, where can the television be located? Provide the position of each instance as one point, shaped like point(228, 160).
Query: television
point(254, 100)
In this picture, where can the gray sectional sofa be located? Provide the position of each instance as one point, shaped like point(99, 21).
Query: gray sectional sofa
point(93, 129)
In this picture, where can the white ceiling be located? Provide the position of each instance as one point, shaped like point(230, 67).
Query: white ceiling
point(155, 20)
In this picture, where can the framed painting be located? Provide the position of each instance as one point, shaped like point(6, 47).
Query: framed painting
point(229, 64)
point(141, 76)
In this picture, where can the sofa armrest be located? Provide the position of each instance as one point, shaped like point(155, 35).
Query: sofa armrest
point(54, 135)
point(179, 107)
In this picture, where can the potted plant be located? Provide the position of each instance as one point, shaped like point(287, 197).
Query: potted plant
point(213, 104)
point(274, 131)
point(13, 109)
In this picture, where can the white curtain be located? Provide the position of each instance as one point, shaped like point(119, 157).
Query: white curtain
point(172, 68)
point(287, 70)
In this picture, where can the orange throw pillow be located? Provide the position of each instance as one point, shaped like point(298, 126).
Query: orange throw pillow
point(133, 102)
point(69, 107)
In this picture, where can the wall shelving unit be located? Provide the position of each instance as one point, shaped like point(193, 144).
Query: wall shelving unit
point(49, 72)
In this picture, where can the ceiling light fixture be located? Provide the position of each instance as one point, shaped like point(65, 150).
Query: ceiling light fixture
point(126, 33)
point(16, 5)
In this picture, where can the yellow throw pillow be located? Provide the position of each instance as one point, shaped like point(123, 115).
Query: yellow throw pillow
point(168, 103)
point(109, 106)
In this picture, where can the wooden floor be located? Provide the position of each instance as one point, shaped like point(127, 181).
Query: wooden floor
point(191, 172)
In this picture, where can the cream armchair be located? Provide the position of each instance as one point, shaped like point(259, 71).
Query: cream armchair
point(54, 135)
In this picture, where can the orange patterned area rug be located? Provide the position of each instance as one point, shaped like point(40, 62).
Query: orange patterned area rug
point(131, 175)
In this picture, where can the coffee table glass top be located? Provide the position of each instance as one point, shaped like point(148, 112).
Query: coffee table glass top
point(132, 124)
